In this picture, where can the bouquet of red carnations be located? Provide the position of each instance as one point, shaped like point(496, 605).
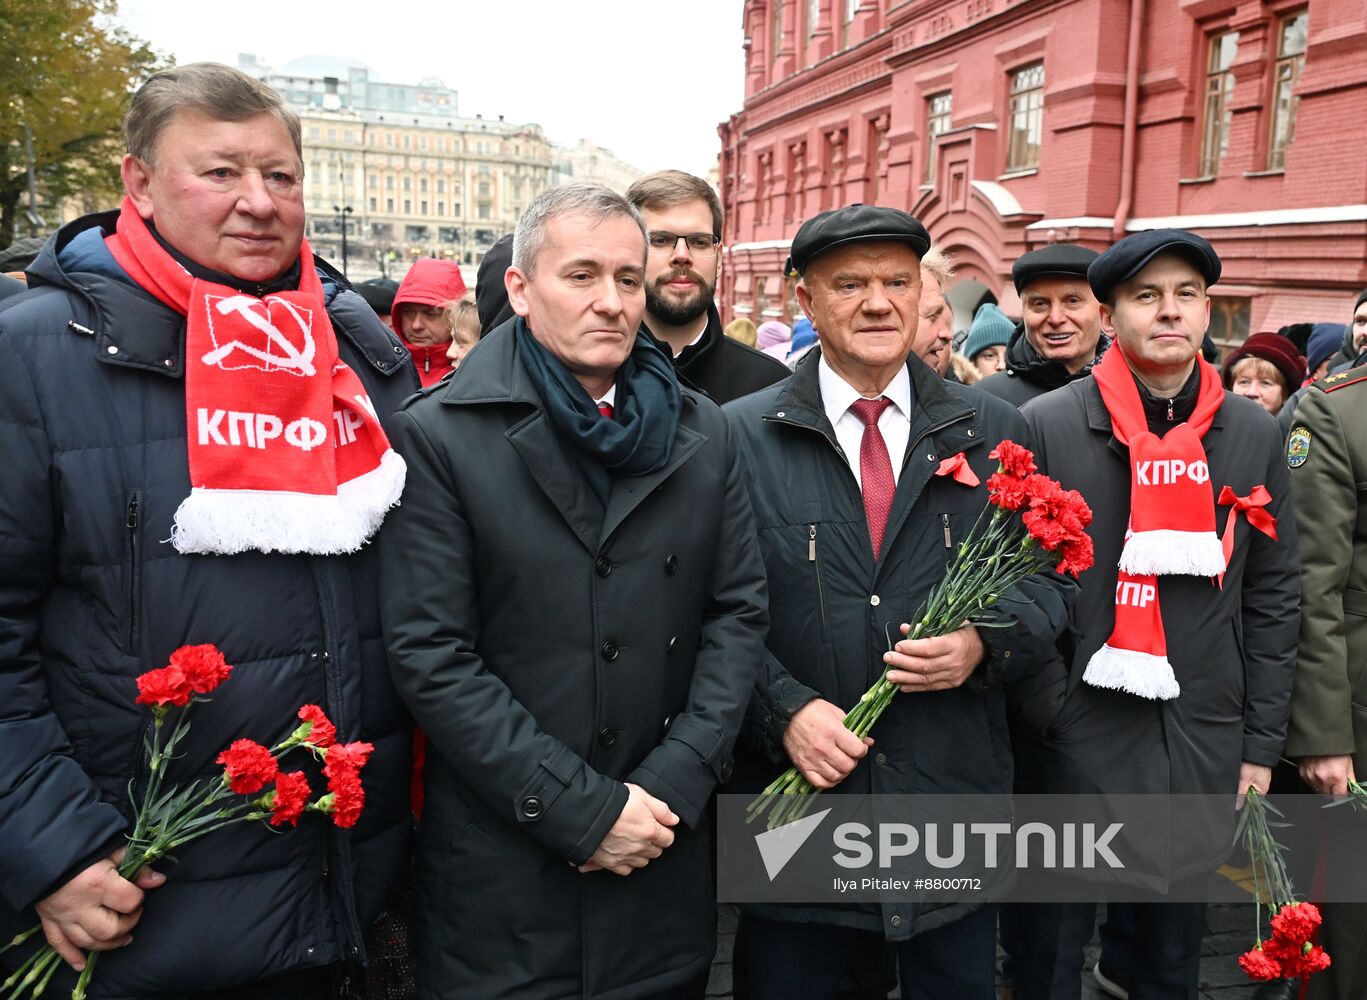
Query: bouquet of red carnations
point(1030, 525)
point(171, 817)
point(1288, 953)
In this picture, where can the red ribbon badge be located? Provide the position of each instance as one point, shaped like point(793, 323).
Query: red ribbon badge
point(958, 467)
point(1253, 507)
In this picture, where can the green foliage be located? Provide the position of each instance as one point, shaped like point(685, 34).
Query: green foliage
point(68, 72)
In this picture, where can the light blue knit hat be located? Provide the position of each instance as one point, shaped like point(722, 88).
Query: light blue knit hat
point(990, 328)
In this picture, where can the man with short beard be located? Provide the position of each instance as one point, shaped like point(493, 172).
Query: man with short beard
point(683, 221)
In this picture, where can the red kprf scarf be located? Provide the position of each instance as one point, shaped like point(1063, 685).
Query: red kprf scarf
point(286, 453)
point(1171, 530)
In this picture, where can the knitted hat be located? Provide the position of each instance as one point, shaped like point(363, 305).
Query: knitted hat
point(1274, 348)
point(1325, 341)
point(990, 328)
point(772, 332)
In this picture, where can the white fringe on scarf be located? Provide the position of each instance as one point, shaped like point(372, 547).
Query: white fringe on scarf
point(1133, 672)
point(1165, 552)
point(226, 522)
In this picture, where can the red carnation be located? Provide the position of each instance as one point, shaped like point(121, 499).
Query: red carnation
point(290, 797)
point(1078, 556)
point(204, 666)
point(1258, 964)
point(248, 766)
point(1296, 921)
point(1016, 460)
point(324, 733)
point(165, 686)
point(1006, 491)
point(343, 771)
point(1313, 959)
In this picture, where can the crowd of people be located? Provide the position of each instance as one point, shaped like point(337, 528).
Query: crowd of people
point(573, 556)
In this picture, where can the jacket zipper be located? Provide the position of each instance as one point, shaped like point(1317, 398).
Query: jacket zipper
point(949, 541)
point(133, 556)
point(811, 558)
point(1170, 411)
point(427, 368)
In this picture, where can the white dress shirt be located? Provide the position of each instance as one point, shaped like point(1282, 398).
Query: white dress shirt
point(609, 398)
point(894, 423)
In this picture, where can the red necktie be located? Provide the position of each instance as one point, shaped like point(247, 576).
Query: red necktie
point(605, 409)
point(875, 469)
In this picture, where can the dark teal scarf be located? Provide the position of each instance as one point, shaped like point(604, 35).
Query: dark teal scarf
point(638, 438)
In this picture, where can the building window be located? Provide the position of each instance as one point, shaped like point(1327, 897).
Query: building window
point(1027, 117)
point(939, 113)
point(422, 184)
point(1219, 91)
point(332, 135)
point(373, 182)
point(1290, 62)
point(441, 208)
point(407, 206)
point(374, 202)
point(813, 16)
point(776, 26)
point(851, 9)
point(485, 210)
point(441, 185)
point(389, 204)
point(422, 207)
point(1229, 320)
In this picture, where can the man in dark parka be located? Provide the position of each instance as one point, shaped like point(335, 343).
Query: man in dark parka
point(1230, 644)
point(1059, 337)
point(841, 571)
point(574, 605)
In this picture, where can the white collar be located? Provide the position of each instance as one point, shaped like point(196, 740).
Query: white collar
point(837, 395)
point(609, 398)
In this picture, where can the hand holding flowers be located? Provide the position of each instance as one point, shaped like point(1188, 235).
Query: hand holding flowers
point(250, 788)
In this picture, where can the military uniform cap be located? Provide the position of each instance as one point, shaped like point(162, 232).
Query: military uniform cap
point(1131, 255)
point(1064, 260)
point(854, 224)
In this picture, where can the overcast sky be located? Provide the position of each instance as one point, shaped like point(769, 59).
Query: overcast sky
point(647, 79)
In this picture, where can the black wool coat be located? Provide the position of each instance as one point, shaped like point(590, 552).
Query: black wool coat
point(1232, 648)
point(832, 606)
point(93, 434)
point(554, 650)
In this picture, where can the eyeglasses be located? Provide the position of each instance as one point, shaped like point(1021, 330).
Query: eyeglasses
point(699, 244)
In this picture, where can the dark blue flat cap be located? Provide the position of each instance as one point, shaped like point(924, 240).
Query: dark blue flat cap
point(1132, 254)
point(854, 224)
point(1059, 260)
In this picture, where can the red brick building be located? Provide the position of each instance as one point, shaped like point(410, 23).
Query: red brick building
point(1007, 124)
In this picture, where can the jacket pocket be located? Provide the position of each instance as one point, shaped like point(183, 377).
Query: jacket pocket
point(132, 574)
point(814, 559)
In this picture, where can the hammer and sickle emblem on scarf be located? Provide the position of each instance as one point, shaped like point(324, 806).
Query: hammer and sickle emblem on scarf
point(290, 358)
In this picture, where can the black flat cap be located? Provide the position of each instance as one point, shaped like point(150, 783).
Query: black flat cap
point(1064, 260)
point(379, 293)
point(1132, 254)
point(854, 224)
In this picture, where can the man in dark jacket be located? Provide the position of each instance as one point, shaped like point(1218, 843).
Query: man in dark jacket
point(683, 222)
point(97, 363)
point(852, 543)
point(1059, 337)
point(1177, 686)
point(574, 605)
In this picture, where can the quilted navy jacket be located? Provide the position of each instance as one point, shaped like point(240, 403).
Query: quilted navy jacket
point(93, 437)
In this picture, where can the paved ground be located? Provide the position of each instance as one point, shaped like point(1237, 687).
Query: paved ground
point(1229, 932)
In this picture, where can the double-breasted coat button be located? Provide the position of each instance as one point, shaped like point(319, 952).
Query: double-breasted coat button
point(671, 564)
point(531, 807)
point(880, 758)
point(607, 738)
point(727, 768)
point(610, 651)
point(673, 641)
point(603, 566)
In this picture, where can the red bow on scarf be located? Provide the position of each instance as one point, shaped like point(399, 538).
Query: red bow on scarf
point(958, 467)
point(1252, 506)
